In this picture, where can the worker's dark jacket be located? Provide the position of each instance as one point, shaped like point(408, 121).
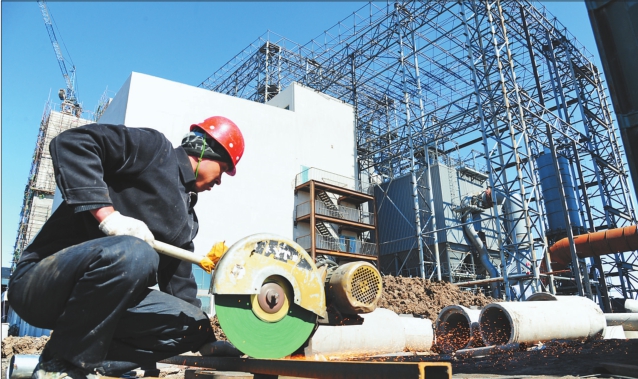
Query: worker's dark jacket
point(141, 175)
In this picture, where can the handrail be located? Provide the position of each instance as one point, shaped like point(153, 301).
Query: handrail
point(332, 179)
point(343, 246)
point(342, 212)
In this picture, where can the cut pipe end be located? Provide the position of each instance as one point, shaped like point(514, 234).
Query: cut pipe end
point(457, 328)
point(496, 326)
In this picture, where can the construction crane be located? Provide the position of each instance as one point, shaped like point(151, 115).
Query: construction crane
point(68, 96)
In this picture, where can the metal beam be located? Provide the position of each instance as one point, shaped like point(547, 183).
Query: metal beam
point(320, 369)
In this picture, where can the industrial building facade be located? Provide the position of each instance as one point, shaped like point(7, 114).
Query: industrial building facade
point(497, 88)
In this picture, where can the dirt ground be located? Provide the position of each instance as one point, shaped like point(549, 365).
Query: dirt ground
point(426, 298)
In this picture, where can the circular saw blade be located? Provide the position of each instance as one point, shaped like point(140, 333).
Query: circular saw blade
point(258, 338)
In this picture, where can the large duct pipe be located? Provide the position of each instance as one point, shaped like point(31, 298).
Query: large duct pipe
point(534, 321)
point(595, 244)
point(457, 327)
point(484, 255)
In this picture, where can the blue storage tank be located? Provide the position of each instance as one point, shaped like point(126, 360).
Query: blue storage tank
point(551, 193)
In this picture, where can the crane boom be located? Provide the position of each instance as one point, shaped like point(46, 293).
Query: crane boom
point(68, 97)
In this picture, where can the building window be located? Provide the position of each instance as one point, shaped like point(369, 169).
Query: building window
point(202, 278)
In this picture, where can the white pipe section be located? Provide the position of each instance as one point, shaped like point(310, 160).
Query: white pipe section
point(457, 327)
point(534, 321)
point(631, 306)
point(628, 321)
point(21, 366)
point(614, 333)
point(381, 332)
point(419, 334)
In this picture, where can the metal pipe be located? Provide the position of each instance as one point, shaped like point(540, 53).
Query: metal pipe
point(321, 369)
point(21, 366)
point(483, 253)
point(534, 321)
point(457, 327)
point(629, 321)
point(478, 282)
point(595, 244)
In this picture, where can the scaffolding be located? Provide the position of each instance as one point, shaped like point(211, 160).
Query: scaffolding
point(40, 189)
point(494, 84)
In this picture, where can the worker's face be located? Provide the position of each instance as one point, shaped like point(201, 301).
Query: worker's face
point(209, 174)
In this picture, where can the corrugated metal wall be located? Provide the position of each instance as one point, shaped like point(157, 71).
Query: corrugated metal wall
point(396, 217)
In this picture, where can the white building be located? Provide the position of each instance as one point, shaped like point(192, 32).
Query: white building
point(297, 129)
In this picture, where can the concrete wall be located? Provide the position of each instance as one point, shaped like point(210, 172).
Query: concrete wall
point(316, 131)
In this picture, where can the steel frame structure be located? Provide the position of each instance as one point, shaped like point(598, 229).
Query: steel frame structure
point(493, 84)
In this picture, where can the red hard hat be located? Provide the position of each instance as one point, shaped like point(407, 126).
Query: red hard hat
point(227, 134)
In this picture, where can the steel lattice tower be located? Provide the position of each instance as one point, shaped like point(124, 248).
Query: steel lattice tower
point(487, 85)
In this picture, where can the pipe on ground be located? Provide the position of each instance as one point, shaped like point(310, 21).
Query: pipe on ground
point(628, 321)
point(534, 321)
point(457, 327)
point(595, 244)
point(381, 332)
point(21, 366)
point(419, 334)
point(631, 306)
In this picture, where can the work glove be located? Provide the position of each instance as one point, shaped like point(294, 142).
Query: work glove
point(217, 251)
point(117, 224)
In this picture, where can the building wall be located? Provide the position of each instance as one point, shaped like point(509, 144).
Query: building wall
point(316, 131)
point(396, 221)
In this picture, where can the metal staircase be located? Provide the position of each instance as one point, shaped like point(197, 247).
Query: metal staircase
point(323, 227)
point(323, 195)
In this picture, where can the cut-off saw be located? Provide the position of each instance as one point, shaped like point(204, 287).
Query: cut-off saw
point(270, 295)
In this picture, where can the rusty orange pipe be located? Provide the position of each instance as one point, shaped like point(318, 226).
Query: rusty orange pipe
point(595, 244)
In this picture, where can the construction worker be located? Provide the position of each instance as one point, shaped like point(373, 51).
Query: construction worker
point(87, 273)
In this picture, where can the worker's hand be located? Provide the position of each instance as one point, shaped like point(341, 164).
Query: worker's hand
point(217, 251)
point(117, 224)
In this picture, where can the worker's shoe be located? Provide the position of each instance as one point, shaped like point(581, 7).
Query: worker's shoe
point(58, 369)
point(219, 349)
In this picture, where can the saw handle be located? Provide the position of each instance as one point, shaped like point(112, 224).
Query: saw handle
point(176, 252)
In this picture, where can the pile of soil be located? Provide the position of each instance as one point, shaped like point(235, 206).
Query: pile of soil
point(23, 345)
point(424, 297)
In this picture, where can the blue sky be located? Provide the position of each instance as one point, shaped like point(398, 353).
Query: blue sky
point(183, 42)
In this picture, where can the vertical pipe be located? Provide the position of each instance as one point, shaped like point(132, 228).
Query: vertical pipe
point(435, 236)
point(313, 232)
point(267, 74)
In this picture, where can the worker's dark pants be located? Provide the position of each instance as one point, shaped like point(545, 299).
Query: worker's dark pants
point(95, 297)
